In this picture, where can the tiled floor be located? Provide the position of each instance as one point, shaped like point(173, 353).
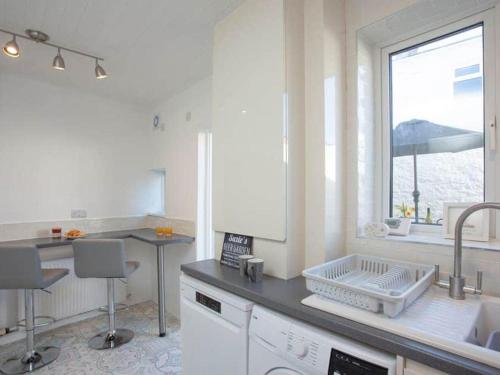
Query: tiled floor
point(145, 354)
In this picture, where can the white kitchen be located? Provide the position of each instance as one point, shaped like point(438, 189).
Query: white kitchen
point(249, 187)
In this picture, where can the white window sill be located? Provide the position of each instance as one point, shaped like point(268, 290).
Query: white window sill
point(419, 238)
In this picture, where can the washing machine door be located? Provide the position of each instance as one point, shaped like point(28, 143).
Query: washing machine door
point(283, 371)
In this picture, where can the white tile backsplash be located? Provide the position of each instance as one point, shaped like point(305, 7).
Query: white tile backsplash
point(181, 226)
point(473, 260)
point(19, 231)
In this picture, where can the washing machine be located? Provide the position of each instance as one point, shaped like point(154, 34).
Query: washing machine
point(280, 345)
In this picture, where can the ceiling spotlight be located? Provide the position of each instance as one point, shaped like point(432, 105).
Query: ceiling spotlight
point(100, 73)
point(11, 48)
point(58, 62)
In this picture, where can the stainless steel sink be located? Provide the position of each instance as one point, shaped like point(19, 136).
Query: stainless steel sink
point(486, 322)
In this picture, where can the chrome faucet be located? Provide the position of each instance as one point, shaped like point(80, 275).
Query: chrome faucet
point(456, 284)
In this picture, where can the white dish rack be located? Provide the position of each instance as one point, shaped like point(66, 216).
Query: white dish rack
point(371, 283)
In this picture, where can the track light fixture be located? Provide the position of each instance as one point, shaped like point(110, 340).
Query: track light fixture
point(100, 73)
point(11, 49)
point(58, 62)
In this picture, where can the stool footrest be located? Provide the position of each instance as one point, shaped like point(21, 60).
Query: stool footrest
point(49, 320)
point(118, 307)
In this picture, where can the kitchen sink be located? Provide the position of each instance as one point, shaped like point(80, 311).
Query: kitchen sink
point(486, 323)
point(457, 326)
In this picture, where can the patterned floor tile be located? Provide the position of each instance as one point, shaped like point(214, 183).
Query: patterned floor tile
point(146, 354)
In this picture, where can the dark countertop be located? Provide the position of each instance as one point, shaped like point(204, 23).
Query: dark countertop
point(145, 234)
point(284, 296)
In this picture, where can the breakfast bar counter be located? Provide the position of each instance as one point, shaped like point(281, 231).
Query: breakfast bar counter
point(147, 235)
point(58, 248)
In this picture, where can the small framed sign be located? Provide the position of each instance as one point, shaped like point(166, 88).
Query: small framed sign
point(235, 245)
point(476, 227)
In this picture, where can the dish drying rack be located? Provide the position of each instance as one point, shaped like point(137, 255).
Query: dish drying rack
point(371, 283)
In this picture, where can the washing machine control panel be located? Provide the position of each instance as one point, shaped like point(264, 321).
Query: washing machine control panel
point(346, 364)
point(302, 348)
point(321, 354)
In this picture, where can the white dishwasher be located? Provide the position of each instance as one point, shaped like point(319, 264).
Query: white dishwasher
point(214, 330)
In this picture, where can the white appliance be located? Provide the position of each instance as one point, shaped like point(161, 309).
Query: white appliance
point(214, 329)
point(280, 345)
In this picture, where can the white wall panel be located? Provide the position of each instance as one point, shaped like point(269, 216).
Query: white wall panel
point(249, 172)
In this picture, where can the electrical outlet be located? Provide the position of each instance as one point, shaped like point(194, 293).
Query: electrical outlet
point(78, 213)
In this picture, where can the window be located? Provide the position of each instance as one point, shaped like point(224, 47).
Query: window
point(157, 191)
point(436, 124)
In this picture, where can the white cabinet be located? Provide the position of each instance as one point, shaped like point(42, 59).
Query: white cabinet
point(249, 121)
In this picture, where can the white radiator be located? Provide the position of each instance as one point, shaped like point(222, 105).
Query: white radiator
point(8, 308)
point(71, 296)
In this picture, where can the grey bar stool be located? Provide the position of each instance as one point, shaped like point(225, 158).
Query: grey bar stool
point(105, 259)
point(20, 268)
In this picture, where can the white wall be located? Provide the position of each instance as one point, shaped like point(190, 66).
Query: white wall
point(360, 167)
point(316, 141)
point(325, 123)
point(62, 148)
point(176, 150)
point(284, 259)
point(176, 145)
point(296, 185)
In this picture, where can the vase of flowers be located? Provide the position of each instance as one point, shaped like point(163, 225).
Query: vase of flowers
point(405, 211)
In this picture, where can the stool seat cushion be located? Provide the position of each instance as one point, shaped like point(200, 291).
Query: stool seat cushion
point(102, 258)
point(20, 268)
point(131, 265)
point(51, 275)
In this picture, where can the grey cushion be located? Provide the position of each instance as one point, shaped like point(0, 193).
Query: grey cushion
point(20, 268)
point(101, 259)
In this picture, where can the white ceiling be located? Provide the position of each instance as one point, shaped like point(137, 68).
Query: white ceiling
point(152, 48)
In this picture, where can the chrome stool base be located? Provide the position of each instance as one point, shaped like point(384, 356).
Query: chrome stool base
point(107, 340)
point(41, 357)
point(48, 320)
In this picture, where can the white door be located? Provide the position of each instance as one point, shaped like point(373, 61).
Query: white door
point(264, 359)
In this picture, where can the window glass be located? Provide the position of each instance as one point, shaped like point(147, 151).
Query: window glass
point(437, 126)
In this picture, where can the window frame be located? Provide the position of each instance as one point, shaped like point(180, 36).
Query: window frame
point(491, 166)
